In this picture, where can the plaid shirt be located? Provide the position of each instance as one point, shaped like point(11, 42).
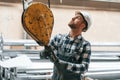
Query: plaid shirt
point(74, 52)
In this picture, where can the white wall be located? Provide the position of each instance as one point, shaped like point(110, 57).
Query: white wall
point(10, 21)
point(105, 27)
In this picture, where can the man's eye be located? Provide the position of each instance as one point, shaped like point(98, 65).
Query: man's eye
point(79, 17)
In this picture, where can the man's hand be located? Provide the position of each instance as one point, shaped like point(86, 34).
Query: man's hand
point(46, 52)
point(49, 54)
point(61, 66)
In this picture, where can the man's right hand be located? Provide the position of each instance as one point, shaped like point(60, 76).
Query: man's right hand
point(49, 54)
point(45, 52)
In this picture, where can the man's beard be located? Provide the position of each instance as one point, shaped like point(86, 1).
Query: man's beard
point(72, 26)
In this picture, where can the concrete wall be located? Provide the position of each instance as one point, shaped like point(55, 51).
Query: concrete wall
point(10, 20)
point(105, 27)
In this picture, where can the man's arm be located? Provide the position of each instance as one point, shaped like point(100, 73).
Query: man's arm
point(43, 55)
point(79, 68)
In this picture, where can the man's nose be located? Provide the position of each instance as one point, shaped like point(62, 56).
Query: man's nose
point(73, 18)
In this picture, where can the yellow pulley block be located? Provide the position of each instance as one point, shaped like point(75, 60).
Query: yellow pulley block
point(38, 22)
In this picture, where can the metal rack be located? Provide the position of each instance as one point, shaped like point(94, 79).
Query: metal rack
point(103, 62)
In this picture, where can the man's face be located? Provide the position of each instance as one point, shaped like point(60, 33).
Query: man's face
point(76, 22)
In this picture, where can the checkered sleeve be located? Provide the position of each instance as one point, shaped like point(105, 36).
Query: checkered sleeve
point(83, 67)
point(54, 42)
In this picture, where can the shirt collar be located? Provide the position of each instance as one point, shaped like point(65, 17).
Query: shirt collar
point(78, 37)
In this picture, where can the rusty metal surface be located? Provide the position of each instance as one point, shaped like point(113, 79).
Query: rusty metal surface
point(38, 22)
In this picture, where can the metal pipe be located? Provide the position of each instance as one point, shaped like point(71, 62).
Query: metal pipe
point(109, 75)
point(49, 3)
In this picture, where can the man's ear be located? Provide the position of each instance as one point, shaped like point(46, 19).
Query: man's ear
point(83, 26)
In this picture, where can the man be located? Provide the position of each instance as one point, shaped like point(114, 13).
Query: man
point(72, 51)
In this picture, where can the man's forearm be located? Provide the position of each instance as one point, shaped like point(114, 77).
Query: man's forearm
point(76, 68)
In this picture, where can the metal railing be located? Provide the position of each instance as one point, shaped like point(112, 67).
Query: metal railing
point(104, 61)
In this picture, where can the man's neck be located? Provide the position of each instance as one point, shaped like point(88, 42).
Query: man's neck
point(75, 33)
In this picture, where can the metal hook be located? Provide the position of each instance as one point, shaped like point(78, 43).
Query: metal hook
point(49, 3)
point(26, 3)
